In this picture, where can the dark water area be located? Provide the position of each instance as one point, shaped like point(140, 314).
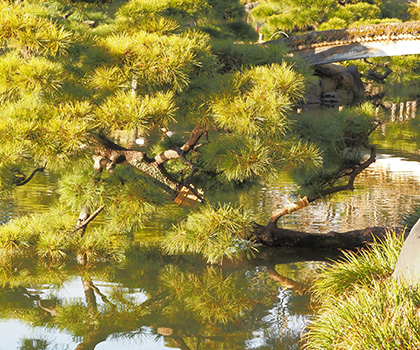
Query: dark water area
point(159, 302)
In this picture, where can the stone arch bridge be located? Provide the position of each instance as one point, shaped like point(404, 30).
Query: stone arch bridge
point(320, 47)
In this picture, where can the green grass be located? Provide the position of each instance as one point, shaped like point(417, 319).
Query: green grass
point(359, 306)
point(359, 268)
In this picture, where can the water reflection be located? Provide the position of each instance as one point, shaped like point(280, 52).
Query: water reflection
point(384, 192)
point(155, 303)
point(37, 196)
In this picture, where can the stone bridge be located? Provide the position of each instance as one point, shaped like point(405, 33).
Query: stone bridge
point(355, 43)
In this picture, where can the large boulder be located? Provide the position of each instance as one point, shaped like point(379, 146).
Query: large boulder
point(342, 82)
point(407, 268)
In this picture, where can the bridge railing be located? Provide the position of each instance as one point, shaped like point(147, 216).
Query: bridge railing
point(360, 34)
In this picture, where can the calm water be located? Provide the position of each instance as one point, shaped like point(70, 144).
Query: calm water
point(157, 302)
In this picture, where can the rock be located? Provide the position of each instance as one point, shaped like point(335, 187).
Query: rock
point(355, 82)
point(329, 70)
point(387, 104)
point(407, 268)
point(345, 96)
point(312, 100)
point(316, 89)
point(90, 23)
point(373, 90)
point(328, 84)
point(340, 84)
point(331, 99)
point(165, 331)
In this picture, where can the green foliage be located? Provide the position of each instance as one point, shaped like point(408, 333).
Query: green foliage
point(52, 237)
point(10, 174)
point(226, 20)
point(294, 15)
point(258, 100)
point(138, 10)
point(238, 158)
point(53, 246)
point(31, 33)
point(161, 60)
point(227, 9)
point(78, 190)
point(46, 234)
point(383, 316)
point(289, 16)
point(130, 199)
point(414, 11)
point(410, 219)
point(148, 66)
point(392, 8)
point(216, 233)
point(341, 138)
point(353, 13)
point(242, 158)
point(333, 23)
point(233, 56)
point(266, 10)
point(36, 76)
point(125, 111)
point(133, 203)
point(102, 244)
point(107, 80)
point(212, 297)
point(359, 306)
point(406, 70)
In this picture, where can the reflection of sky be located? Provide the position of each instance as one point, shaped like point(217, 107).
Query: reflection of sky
point(147, 341)
point(13, 332)
point(70, 290)
point(398, 166)
point(73, 289)
point(280, 324)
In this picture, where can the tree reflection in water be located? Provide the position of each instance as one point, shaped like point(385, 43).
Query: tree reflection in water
point(190, 305)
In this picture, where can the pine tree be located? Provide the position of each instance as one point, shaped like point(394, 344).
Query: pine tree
point(75, 76)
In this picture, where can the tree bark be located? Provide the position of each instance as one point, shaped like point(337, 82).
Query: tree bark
point(108, 154)
point(280, 237)
point(81, 229)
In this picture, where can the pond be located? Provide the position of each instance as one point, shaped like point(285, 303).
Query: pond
point(161, 302)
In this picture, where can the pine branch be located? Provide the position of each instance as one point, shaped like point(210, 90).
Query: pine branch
point(303, 202)
point(109, 154)
point(84, 223)
point(25, 180)
point(189, 145)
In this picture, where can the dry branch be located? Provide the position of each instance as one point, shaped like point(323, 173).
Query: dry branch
point(92, 216)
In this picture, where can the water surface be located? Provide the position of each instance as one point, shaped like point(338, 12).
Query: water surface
point(159, 302)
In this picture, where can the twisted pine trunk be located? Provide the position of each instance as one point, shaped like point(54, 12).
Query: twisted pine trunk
point(280, 237)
